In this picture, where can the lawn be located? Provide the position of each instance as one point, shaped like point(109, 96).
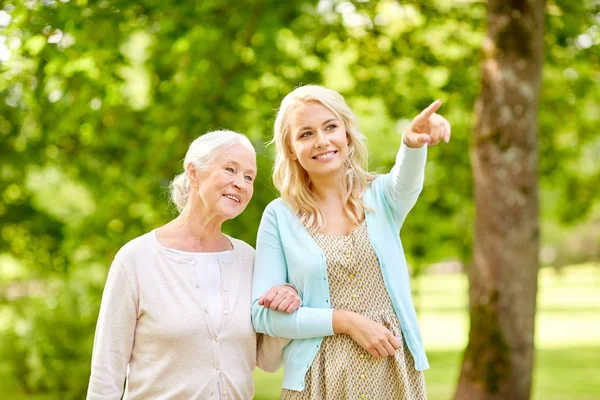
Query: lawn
point(567, 363)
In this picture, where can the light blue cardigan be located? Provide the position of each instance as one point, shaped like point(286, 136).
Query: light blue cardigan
point(286, 252)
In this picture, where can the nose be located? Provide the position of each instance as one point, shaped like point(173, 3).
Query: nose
point(321, 140)
point(238, 182)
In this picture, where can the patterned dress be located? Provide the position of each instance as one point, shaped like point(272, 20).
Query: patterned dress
point(342, 369)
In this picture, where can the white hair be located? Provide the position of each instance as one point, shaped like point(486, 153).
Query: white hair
point(201, 153)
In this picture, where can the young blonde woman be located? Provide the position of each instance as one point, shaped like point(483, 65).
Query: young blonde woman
point(334, 235)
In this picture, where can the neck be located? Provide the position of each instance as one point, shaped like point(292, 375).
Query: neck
point(195, 224)
point(194, 231)
point(328, 189)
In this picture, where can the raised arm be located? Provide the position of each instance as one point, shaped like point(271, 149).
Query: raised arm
point(113, 340)
point(405, 182)
point(270, 269)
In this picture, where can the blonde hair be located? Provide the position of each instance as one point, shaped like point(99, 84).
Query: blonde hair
point(201, 153)
point(292, 180)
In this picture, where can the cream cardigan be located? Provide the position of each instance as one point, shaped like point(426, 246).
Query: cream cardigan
point(154, 332)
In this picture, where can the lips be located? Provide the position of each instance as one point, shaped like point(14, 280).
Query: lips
point(233, 197)
point(325, 156)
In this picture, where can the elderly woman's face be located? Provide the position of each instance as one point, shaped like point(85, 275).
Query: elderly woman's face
point(227, 185)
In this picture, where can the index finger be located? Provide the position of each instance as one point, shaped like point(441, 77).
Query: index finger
point(429, 111)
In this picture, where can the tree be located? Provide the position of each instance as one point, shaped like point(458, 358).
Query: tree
point(498, 360)
point(99, 101)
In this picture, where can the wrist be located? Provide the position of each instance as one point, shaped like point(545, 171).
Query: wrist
point(295, 289)
point(343, 321)
point(410, 144)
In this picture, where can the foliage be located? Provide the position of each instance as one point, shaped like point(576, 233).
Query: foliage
point(100, 99)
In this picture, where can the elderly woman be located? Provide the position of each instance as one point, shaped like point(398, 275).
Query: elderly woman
point(175, 316)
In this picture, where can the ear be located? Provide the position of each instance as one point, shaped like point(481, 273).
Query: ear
point(191, 173)
point(292, 154)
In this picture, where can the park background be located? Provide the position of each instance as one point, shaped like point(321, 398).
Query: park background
point(99, 101)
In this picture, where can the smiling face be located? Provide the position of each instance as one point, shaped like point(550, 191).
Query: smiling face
point(226, 186)
point(318, 140)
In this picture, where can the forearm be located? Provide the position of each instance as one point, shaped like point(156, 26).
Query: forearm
point(305, 323)
point(404, 183)
point(408, 172)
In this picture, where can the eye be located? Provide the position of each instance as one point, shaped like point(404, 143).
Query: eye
point(331, 127)
point(249, 178)
point(305, 135)
point(230, 170)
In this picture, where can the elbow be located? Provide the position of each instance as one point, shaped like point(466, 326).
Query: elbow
point(270, 353)
point(270, 367)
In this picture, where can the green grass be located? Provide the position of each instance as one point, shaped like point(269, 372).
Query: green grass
point(567, 363)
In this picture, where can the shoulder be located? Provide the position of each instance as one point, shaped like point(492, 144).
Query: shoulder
point(275, 210)
point(279, 216)
point(275, 206)
point(137, 249)
point(278, 208)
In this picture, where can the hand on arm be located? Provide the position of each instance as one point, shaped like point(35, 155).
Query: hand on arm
point(270, 269)
point(368, 334)
point(283, 298)
point(427, 128)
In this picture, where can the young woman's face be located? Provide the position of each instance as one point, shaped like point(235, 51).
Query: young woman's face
point(227, 185)
point(318, 140)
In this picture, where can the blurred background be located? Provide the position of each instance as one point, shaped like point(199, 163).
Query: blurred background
point(99, 101)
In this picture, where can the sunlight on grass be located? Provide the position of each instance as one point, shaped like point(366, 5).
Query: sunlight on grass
point(567, 335)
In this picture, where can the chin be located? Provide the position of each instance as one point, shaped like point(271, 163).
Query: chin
point(233, 213)
point(328, 169)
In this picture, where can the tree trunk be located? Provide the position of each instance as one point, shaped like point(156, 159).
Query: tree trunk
point(498, 360)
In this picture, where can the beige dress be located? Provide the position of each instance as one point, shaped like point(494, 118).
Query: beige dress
point(342, 369)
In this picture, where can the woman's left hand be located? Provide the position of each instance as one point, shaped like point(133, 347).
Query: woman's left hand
point(282, 298)
point(427, 128)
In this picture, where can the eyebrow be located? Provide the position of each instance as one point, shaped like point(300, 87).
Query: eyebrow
point(324, 123)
